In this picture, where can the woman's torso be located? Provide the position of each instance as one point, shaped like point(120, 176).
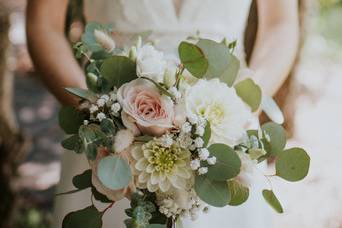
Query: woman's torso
point(172, 21)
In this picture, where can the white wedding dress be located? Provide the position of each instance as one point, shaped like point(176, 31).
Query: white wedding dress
point(214, 19)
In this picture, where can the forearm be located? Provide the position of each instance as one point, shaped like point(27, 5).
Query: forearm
point(276, 47)
point(53, 58)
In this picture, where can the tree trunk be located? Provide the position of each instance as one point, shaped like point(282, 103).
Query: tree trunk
point(11, 141)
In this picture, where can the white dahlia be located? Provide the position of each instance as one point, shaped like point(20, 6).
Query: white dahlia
point(222, 107)
point(162, 168)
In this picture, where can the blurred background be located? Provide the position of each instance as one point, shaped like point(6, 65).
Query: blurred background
point(29, 134)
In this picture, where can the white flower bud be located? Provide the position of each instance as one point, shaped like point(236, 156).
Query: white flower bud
point(203, 154)
point(211, 160)
point(186, 127)
point(104, 40)
point(193, 119)
point(202, 170)
point(170, 76)
point(115, 108)
point(199, 142)
point(93, 108)
point(101, 102)
point(132, 55)
point(200, 130)
point(101, 116)
point(195, 164)
point(85, 122)
point(113, 96)
point(105, 97)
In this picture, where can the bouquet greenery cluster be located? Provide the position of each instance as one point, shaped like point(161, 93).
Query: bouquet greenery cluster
point(173, 135)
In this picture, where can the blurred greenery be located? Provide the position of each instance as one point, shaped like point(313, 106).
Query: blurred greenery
point(33, 218)
point(329, 22)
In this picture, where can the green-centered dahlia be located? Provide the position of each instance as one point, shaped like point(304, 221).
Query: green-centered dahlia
point(161, 168)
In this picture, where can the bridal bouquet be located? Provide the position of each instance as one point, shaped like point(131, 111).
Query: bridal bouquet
point(173, 135)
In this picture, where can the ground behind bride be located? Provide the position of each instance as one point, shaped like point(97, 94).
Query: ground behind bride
point(315, 95)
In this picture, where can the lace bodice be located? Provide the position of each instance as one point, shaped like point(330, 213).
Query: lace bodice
point(214, 19)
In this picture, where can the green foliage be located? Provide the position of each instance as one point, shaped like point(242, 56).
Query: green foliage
point(293, 164)
point(239, 193)
point(92, 137)
point(108, 127)
point(83, 180)
point(214, 193)
point(70, 119)
point(207, 134)
point(143, 212)
point(88, 217)
point(99, 196)
point(277, 138)
point(227, 165)
point(88, 37)
point(272, 200)
point(72, 143)
point(118, 70)
point(193, 59)
point(222, 64)
point(82, 93)
point(249, 92)
point(114, 172)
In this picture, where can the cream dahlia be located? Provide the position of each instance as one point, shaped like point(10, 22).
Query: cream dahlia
point(162, 168)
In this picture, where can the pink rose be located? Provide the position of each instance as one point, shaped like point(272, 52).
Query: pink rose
point(145, 110)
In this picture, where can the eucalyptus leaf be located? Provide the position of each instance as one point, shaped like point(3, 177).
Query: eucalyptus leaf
point(277, 138)
point(72, 143)
point(107, 126)
point(70, 119)
point(227, 165)
point(272, 200)
point(92, 137)
point(114, 172)
point(249, 92)
point(118, 70)
point(193, 59)
point(82, 181)
point(88, 217)
point(214, 193)
point(293, 164)
point(99, 196)
point(222, 64)
point(239, 193)
point(82, 93)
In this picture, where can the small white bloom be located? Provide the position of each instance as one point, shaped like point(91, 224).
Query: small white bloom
point(199, 142)
point(105, 97)
point(93, 108)
point(175, 93)
point(193, 119)
point(202, 170)
point(203, 154)
point(101, 116)
point(123, 139)
point(101, 102)
point(200, 130)
point(113, 96)
point(211, 160)
point(192, 147)
point(186, 127)
point(115, 108)
point(85, 122)
point(166, 140)
point(195, 164)
point(185, 140)
point(150, 63)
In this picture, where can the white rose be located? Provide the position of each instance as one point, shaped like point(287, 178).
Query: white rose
point(150, 63)
point(220, 105)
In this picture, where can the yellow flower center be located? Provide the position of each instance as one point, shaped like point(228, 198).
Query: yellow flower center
point(215, 114)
